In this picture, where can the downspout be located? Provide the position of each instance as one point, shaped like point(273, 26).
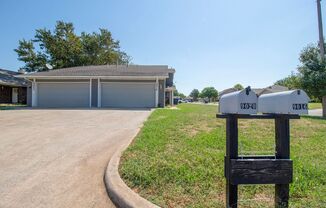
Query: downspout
point(90, 93)
point(156, 92)
point(34, 93)
point(164, 93)
point(99, 94)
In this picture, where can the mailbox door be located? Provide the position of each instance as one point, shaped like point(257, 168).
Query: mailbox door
point(299, 103)
point(247, 103)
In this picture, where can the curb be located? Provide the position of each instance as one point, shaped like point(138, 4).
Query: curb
point(120, 194)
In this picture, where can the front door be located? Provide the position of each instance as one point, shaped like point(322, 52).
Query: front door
point(14, 97)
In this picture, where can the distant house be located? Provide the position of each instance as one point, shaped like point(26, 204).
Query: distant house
point(258, 91)
point(226, 91)
point(269, 89)
point(12, 89)
point(189, 99)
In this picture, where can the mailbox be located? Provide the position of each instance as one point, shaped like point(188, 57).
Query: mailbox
point(240, 102)
point(288, 102)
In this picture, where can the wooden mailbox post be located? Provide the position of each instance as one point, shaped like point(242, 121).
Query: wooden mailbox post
point(271, 169)
point(274, 169)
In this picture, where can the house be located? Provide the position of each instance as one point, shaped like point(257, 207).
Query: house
point(258, 91)
point(269, 89)
point(189, 99)
point(12, 89)
point(113, 86)
point(226, 91)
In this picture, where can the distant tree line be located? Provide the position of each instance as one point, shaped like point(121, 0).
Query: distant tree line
point(208, 92)
point(179, 94)
point(62, 48)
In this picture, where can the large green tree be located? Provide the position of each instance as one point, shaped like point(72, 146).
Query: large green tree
point(62, 47)
point(313, 73)
point(194, 94)
point(209, 92)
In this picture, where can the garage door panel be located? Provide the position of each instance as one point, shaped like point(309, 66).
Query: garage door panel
point(63, 94)
point(128, 95)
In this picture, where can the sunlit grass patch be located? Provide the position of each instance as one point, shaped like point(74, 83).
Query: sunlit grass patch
point(177, 160)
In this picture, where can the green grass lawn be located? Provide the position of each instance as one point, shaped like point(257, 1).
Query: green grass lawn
point(177, 159)
point(312, 106)
point(5, 106)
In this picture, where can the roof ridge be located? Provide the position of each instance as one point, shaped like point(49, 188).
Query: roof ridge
point(107, 70)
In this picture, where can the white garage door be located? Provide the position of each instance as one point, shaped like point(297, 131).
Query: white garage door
point(128, 94)
point(58, 95)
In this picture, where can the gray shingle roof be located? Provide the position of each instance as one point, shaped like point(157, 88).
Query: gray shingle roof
point(270, 89)
point(8, 78)
point(107, 70)
point(226, 91)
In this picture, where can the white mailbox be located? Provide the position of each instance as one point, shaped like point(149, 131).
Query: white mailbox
point(288, 102)
point(240, 102)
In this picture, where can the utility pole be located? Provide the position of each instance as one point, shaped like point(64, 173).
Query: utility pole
point(320, 27)
point(322, 49)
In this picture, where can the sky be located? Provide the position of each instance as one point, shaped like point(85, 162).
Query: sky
point(209, 42)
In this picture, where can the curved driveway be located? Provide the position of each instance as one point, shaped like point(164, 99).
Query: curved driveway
point(57, 158)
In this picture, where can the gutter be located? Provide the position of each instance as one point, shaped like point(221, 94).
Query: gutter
point(27, 76)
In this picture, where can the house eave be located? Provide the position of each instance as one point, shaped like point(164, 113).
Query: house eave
point(95, 77)
point(12, 85)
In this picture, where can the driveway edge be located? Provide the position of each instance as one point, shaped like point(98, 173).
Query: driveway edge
point(121, 195)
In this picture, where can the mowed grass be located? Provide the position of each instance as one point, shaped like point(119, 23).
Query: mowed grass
point(5, 106)
point(312, 106)
point(177, 159)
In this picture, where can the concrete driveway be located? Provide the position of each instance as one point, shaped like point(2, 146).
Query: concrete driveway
point(315, 112)
point(57, 158)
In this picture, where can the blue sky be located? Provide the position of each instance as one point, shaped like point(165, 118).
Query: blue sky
point(209, 42)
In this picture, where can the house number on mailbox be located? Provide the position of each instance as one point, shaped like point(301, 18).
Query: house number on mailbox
point(248, 105)
point(300, 106)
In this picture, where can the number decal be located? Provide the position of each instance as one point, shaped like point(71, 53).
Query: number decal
point(247, 106)
point(300, 106)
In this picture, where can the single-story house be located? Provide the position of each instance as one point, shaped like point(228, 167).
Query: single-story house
point(112, 86)
point(226, 91)
point(12, 89)
point(257, 91)
point(269, 89)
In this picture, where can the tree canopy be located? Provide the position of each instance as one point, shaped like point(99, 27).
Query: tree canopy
point(313, 72)
point(293, 81)
point(209, 92)
point(178, 94)
point(238, 87)
point(311, 75)
point(194, 94)
point(62, 47)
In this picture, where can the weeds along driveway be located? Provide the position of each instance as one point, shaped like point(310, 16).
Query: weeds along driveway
point(57, 158)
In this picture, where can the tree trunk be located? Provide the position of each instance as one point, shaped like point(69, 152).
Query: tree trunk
point(324, 106)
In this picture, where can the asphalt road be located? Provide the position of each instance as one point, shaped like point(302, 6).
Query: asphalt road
point(57, 158)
